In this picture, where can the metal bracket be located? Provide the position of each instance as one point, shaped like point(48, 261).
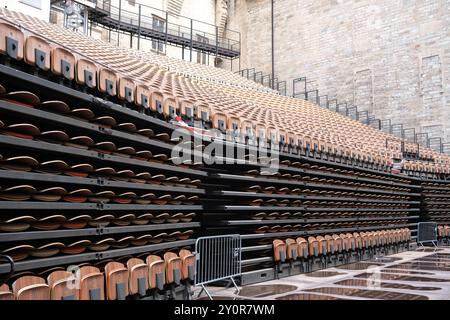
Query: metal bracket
point(39, 57)
point(88, 79)
point(65, 69)
point(12, 47)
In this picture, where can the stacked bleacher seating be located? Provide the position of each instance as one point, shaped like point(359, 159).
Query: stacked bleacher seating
point(86, 150)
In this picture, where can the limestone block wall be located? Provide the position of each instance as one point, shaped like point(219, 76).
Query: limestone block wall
point(390, 57)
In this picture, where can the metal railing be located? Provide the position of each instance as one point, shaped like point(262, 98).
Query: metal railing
point(184, 27)
point(217, 258)
point(426, 233)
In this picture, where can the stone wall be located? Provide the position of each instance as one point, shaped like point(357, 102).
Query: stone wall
point(391, 58)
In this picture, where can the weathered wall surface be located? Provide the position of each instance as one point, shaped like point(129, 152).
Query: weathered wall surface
point(391, 58)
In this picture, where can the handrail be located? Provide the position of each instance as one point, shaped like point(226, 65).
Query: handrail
point(179, 30)
point(4, 278)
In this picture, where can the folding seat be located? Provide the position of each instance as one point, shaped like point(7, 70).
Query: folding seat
point(86, 73)
point(247, 131)
point(173, 268)
point(31, 288)
point(126, 89)
point(143, 96)
point(117, 279)
point(186, 108)
point(291, 249)
point(382, 238)
point(365, 238)
point(11, 41)
point(92, 285)
point(279, 248)
point(308, 146)
point(233, 127)
point(63, 63)
point(62, 285)
point(5, 293)
point(219, 121)
point(188, 265)
point(345, 242)
point(313, 246)
point(170, 107)
point(303, 251)
point(261, 134)
point(107, 82)
point(338, 242)
point(322, 244)
point(273, 135)
point(358, 240)
point(300, 144)
point(202, 112)
point(330, 245)
point(37, 52)
point(157, 272)
point(291, 141)
point(446, 232)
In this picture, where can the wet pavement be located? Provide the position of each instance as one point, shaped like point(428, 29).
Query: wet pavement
point(411, 275)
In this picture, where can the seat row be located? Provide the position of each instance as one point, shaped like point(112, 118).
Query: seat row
point(46, 249)
point(293, 249)
point(123, 75)
point(117, 281)
point(47, 222)
point(426, 169)
point(444, 231)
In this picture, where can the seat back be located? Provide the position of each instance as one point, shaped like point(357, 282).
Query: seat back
point(303, 251)
point(156, 103)
point(273, 135)
point(446, 232)
point(126, 89)
point(279, 250)
point(170, 107)
point(37, 52)
point(107, 82)
point(338, 242)
point(365, 239)
point(202, 112)
point(290, 139)
point(117, 278)
point(282, 136)
point(11, 41)
point(186, 108)
point(323, 245)
point(188, 265)
point(92, 285)
point(138, 276)
point(313, 246)
point(62, 285)
point(31, 288)
point(173, 267)
point(219, 121)
point(346, 245)
point(358, 241)
point(291, 249)
point(86, 73)
point(143, 96)
point(63, 63)
point(157, 272)
point(234, 125)
point(261, 133)
point(330, 244)
point(247, 129)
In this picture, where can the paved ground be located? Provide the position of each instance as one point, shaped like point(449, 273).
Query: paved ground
point(411, 275)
